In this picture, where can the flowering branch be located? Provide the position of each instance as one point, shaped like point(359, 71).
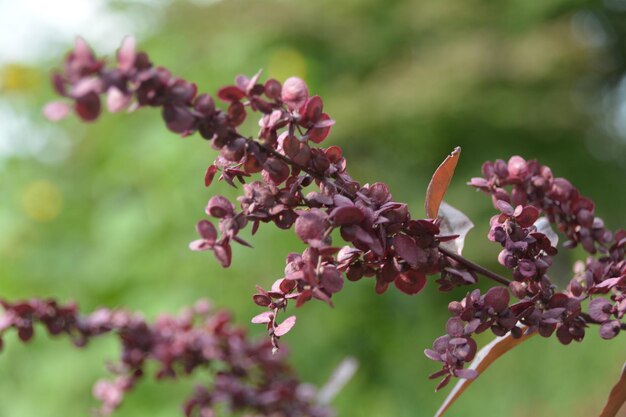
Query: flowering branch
point(475, 267)
point(301, 185)
point(247, 377)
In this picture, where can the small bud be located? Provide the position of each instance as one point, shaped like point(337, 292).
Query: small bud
point(219, 207)
point(294, 93)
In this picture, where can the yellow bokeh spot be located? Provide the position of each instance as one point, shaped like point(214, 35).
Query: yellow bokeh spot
point(19, 78)
point(285, 63)
point(42, 200)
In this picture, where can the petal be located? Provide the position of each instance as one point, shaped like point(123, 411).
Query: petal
point(207, 231)
point(321, 129)
point(56, 110)
point(230, 93)
point(117, 100)
point(312, 110)
point(209, 175)
point(347, 215)
point(497, 298)
point(528, 216)
point(178, 119)
point(264, 317)
point(199, 245)
point(272, 89)
point(126, 54)
point(284, 327)
point(88, 107)
point(466, 373)
point(599, 309)
point(406, 247)
point(261, 300)
point(410, 282)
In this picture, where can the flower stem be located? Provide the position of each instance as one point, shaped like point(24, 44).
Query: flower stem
point(475, 267)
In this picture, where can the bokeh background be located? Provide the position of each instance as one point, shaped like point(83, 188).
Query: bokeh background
point(103, 213)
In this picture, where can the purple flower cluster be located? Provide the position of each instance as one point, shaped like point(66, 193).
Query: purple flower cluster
point(384, 242)
point(574, 215)
point(533, 184)
point(528, 252)
point(248, 377)
point(308, 188)
point(473, 314)
point(604, 275)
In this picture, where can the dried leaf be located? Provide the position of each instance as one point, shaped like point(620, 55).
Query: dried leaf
point(454, 222)
point(439, 183)
point(485, 357)
point(617, 397)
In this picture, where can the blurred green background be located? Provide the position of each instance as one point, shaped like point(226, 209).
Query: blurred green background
point(103, 213)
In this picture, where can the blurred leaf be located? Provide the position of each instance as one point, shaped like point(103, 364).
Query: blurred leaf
point(439, 183)
point(617, 396)
point(339, 378)
point(454, 222)
point(485, 357)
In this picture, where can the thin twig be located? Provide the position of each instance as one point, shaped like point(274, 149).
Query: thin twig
point(340, 377)
point(475, 267)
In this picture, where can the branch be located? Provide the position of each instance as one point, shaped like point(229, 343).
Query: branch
point(475, 267)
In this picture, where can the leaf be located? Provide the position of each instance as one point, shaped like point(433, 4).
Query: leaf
point(485, 357)
point(439, 183)
point(264, 317)
point(454, 222)
point(284, 327)
point(56, 110)
point(617, 396)
point(406, 247)
point(339, 378)
point(543, 226)
point(209, 175)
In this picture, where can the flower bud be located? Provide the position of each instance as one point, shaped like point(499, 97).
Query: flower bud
point(219, 207)
point(294, 93)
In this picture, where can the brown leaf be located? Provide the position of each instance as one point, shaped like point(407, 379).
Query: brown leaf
point(485, 357)
point(439, 183)
point(617, 397)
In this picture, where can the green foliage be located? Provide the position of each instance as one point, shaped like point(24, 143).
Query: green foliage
point(110, 224)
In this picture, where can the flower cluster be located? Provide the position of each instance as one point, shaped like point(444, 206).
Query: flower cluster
point(383, 241)
point(291, 182)
point(528, 252)
point(605, 275)
point(473, 314)
point(248, 377)
point(534, 185)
